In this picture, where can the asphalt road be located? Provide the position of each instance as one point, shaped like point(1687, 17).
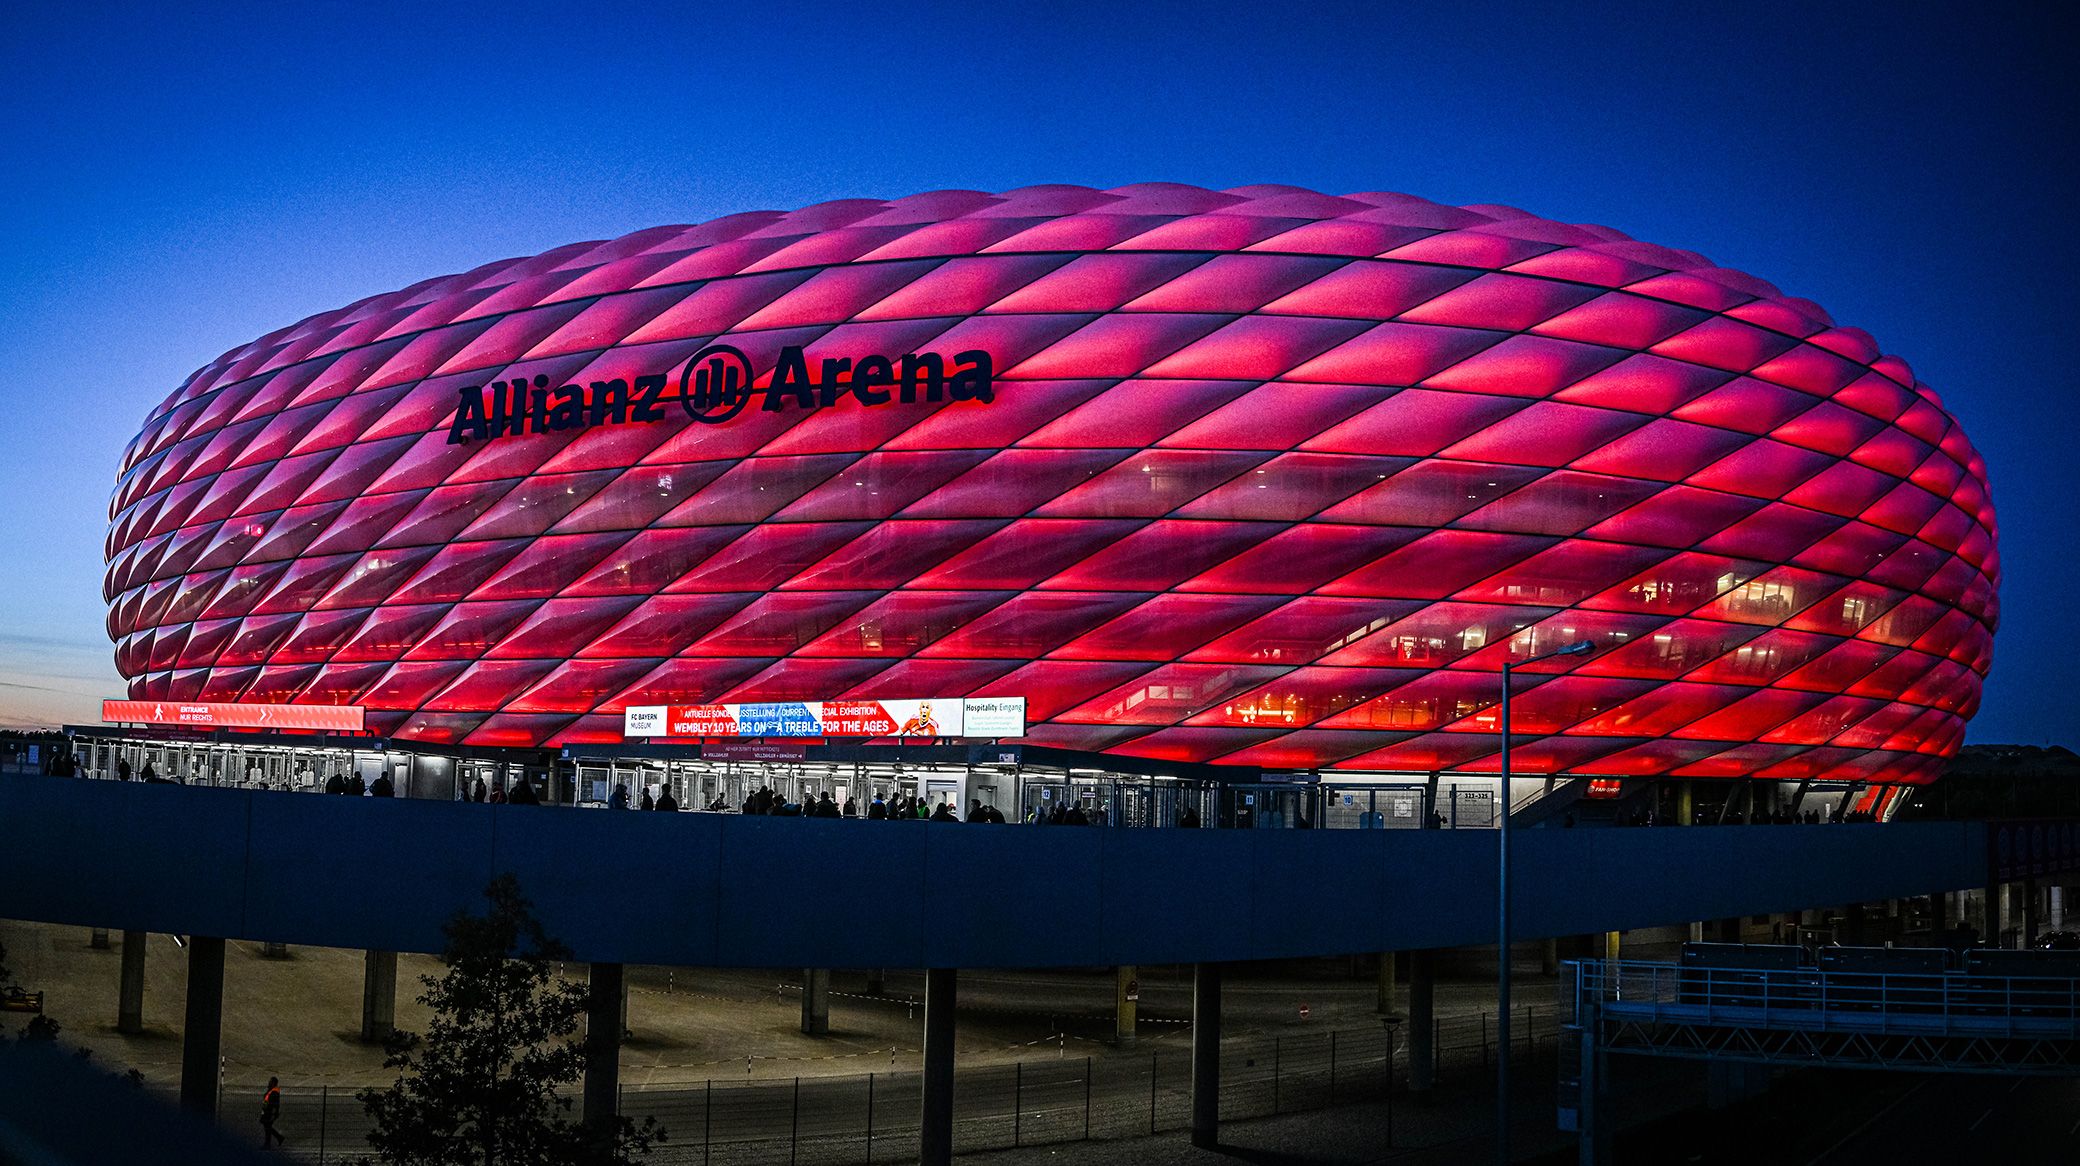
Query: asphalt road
point(1968, 1118)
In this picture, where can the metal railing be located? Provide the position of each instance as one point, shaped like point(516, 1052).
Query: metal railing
point(864, 1118)
point(1962, 1002)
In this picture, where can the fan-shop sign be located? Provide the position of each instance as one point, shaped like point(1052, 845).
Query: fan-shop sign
point(939, 717)
point(714, 386)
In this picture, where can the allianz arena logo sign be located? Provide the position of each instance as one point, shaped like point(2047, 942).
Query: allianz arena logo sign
point(715, 385)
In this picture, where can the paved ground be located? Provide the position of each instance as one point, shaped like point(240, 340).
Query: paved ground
point(299, 1017)
point(1967, 1119)
point(716, 1054)
point(1876, 1118)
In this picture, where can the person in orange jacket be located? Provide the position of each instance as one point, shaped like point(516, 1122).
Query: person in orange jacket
point(271, 1109)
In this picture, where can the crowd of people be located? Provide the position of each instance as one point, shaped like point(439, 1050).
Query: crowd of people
point(150, 773)
point(900, 808)
point(523, 793)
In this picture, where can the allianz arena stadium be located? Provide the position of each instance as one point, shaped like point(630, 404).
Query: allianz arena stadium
point(1258, 478)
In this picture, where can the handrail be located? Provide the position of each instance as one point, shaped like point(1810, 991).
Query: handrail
point(1814, 997)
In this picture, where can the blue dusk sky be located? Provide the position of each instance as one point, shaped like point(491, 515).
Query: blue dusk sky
point(183, 178)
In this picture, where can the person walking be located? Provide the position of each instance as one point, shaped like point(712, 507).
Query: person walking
point(619, 799)
point(123, 769)
point(382, 787)
point(335, 784)
point(665, 800)
point(270, 1111)
point(649, 803)
point(355, 786)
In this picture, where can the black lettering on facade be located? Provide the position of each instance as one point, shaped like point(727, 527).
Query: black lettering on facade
point(537, 411)
point(927, 367)
point(469, 424)
point(790, 380)
point(649, 399)
point(715, 391)
point(499, 411)
point(609, 403)
point(973, 380)
point(867, 380)
point(833, 371)
point(568, 409)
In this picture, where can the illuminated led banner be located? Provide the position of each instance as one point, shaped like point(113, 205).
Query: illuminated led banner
point(935, 717)
point(203, 715)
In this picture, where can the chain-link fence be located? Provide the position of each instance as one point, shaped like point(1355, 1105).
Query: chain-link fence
point(872, 1117)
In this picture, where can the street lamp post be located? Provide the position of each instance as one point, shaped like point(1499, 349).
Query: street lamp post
point(1578, 648)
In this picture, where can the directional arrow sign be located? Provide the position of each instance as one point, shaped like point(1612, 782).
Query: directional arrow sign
point(208, 715)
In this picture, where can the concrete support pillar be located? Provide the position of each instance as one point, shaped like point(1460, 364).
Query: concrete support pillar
point(1386, 1005)
point(1206, 1055)
point(275, 951)
point(1549, 957)
point(604, 1018)
point(98, 939)
point(877, 981)
point(935, 1126)
point(1422, 1021)
point(2032, 913)
point(1613, 945)
point(1126, 1003)
point(1697, 932)
point(378, 996)
point(816, 1001)
point(1593, 1140)
point(130, 996)
point(1990, 915)
point(202, 1033)
point(1686, 803)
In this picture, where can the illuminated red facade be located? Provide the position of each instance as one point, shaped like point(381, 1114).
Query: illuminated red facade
point(1269, 477)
